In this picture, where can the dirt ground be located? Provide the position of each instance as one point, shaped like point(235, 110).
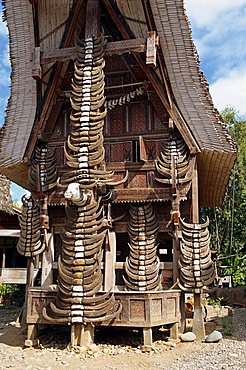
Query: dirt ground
point(121, 349)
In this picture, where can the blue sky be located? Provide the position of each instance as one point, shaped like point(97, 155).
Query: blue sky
point(219, 32)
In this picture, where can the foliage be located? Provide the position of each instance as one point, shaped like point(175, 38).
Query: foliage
point(228, 226)
point(214, 302)
point(12, 294)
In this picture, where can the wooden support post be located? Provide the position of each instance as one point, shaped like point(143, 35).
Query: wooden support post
point(87, 335)
point(176, 214)
point(4, 259)
point(30, 273)
point(198, 323)
point(174, 331)
point(82, 335)
point(175, 259)
point(182, 326)
point(31, 340)
point(92, 26)
point(110, 259)
point(47, 263)
point(147, 336)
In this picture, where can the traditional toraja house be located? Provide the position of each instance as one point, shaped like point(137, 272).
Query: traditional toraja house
point(12, 265)
point(111, 127)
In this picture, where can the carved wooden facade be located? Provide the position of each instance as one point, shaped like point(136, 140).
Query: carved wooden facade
point(121, 148)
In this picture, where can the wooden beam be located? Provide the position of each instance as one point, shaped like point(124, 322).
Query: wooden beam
point(36, 64)
point(47, 263)
point(156, 83)
point(152, 41)
point(143, 151)
point(195, 196)
point(3, 258)
point(198, 322)
point(93, 24)
point(117, 47)
point(110, 259)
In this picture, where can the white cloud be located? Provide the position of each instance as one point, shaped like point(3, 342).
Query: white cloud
point(230, 91)
point(204, 12)
point(5, 56)
point(224, 38)
point(219, 33)
point(3, 27)
point(5, 78)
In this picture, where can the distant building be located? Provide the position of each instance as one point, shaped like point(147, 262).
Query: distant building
point(12, 264)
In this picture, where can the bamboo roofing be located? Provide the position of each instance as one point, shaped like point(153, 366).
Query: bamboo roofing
point(21, 108)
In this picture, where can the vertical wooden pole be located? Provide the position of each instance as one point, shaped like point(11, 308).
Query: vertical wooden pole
point(30, 273)
point(47, 263)
point(92, 26)
point(4, 259)
point(110, 259)
point(31, 328)
point(198, 323)
point(174, 331)
point(84, 334)
point(147, 336)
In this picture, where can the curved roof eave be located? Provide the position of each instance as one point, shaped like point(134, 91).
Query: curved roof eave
point(21, 108)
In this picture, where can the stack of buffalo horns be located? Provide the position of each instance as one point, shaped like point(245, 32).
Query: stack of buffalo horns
point(30, 244)
point(142, 265)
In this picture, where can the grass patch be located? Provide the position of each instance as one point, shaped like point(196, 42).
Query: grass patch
point(227, 326)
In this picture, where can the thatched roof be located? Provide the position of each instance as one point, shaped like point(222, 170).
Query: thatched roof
point(189, 89)
point(5, 197)
point(21, 107)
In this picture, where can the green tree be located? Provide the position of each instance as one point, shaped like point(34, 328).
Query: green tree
point(228, 226)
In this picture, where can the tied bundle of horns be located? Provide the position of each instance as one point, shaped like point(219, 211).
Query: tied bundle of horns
point(195, 262)
point(142, 265)
point(30, 244)
point(42, 172)
point(173, 163)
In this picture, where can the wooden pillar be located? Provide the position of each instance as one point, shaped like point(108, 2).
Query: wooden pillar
point(182, 312)
point(198, 323)
point(4, 259)
point(174, 331)
point(110, 259)
point(47, 263)
point(175, 257)
point(93, 24)
point(82, 334)
point(30, 273)
point(147, 336)
point(31, 340)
